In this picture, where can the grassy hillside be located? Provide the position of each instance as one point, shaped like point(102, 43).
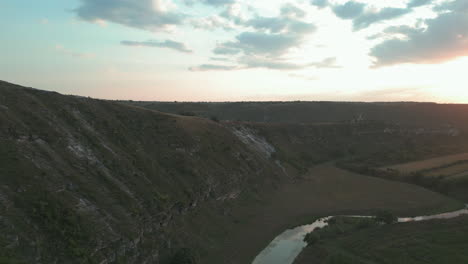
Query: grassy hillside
point(435, 242)
point(92, 181)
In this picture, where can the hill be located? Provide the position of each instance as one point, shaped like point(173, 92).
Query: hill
point(88, 178)
point(95, 181)
point(441, 118)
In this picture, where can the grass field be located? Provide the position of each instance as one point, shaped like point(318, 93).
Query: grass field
point(449, 171)
point(439, 162)
point(325, 191)
point(446, 174)
point(437, 241)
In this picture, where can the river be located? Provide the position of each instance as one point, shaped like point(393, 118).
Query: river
point(287, 246)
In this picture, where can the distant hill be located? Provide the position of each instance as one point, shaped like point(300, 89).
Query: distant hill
point(402, 113)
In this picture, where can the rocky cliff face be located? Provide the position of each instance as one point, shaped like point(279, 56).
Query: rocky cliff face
point(86, 180)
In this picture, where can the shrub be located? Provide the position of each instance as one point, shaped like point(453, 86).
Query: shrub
point(183, 256)
point(312, 238)
point(187, 113)
point(385, 217)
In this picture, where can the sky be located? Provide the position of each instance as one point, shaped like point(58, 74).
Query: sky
point(239, 50)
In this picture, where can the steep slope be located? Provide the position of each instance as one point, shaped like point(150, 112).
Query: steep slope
point(93, 181)
point(90, 180)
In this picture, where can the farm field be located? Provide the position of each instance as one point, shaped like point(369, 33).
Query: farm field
point(434, 163)
point(445, 174)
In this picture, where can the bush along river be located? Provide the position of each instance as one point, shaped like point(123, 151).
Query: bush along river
point(287, 246)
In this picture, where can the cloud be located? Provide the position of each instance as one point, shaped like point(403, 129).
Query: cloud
point(219, 59)
point(319, 3)
point(213, 23)
point(268, 63)
point(219, 2)
point(418, 3)
point(213, 67)
point(442, 39)
point(170, 44)
point(456, 6)
point(363, 17)
point(143, 14)
point(291, 11)
point(368, 18)
point(265, 62)
point(210, 2)
point(234, 13)
point(227, 48)
point(273, 24)
point(74, 54)
point(349, 10)
point(287, 21)
point(272, 38)
point(260, 43)
point(326, 63)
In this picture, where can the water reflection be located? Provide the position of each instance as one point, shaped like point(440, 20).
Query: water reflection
point(287, 246)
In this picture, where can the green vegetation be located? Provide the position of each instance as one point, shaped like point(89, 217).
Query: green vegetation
point(385, 217)
point(339, 226)
point(435, 242)
point(183, 256)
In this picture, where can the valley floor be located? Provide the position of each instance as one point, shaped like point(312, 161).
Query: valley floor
point(326, 190)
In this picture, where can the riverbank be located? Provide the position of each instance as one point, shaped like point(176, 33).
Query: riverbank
point(325, 190)
point(434, 241)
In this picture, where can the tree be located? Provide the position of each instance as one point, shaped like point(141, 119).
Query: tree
point(311, 238)
point(385, 217)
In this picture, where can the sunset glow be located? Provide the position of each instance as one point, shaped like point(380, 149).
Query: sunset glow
point(229, 50)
